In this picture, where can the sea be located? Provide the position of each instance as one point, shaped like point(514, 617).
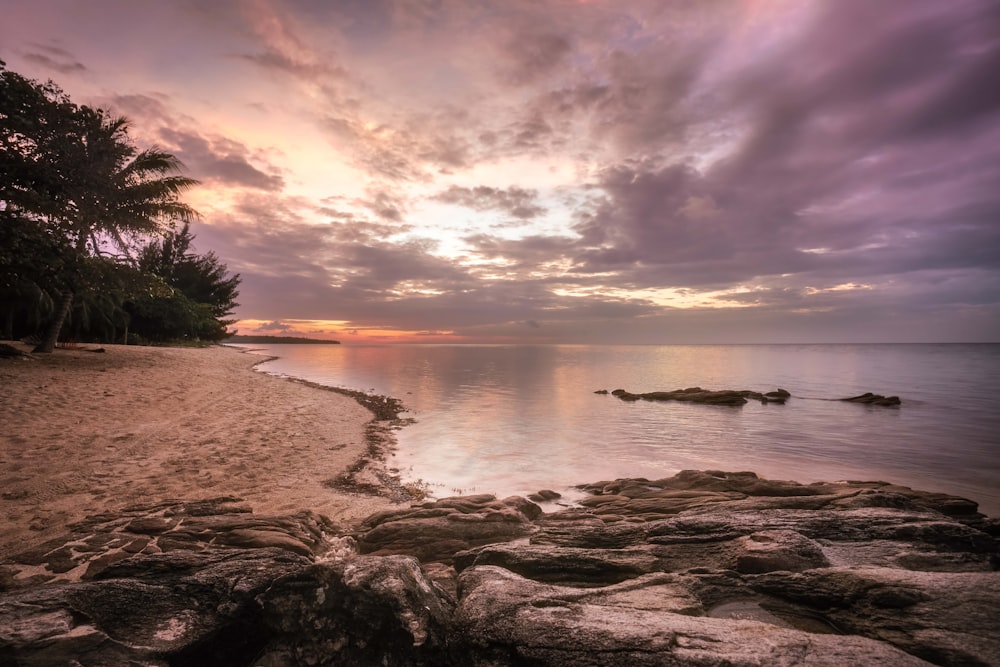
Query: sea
point(515, 419)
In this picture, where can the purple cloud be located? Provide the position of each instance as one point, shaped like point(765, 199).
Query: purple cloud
point(800, 167)
point(516, 202)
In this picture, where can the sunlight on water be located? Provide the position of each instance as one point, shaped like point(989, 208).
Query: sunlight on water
point(516, 419)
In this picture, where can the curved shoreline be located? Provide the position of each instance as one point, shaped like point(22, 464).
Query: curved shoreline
point(87, 433)
point(368, 475)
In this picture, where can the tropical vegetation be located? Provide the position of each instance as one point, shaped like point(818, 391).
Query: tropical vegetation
point(95, 241)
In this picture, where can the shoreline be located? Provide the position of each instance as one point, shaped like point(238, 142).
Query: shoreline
point(88, 433)
point(369, 474)
point(702, 567)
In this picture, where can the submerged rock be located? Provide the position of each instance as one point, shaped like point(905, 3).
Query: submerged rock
point(869, 398)
point(737, 397)
point(702, 568)
point(705, 396)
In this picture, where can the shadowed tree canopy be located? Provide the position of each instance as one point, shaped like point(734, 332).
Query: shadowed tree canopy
point(77, 192)
point(200, 293)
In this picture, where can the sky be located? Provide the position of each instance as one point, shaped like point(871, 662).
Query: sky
point(567, 171)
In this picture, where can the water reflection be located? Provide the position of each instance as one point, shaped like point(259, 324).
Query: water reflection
point(514, 419)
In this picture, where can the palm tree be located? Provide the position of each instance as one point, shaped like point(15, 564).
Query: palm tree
point(110, 195)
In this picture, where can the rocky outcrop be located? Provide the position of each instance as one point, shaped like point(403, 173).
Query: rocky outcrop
point(435, 531)
point(215, 585)
point(103, 540)
point(703, 568)
point(705, 396)
point(506, 619)
point(727, 568)
point(869, 398)
point(737, 397)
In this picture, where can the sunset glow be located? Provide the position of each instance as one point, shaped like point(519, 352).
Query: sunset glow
point(552, 171)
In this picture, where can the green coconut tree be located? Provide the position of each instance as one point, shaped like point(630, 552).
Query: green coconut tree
point(114, 196)
point(73, 173)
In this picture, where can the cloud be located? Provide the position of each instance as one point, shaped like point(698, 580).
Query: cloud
point(530, 55)
point(403, 148)
point(384, 203)
point(516, 202)
point(657, 169)
point(55, 59)
point(275, 326)
point(207, 156)
point(219, 159)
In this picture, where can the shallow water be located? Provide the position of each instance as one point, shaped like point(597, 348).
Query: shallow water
point(510, 419)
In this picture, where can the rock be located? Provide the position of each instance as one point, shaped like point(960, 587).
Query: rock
point(869, 398)
point(102, 540)
point(228, 596)
point(702, 568)
point(734, 397)
point(505, 619)
point(773, 550)
point(751, 571)
point(946, 619)
point(691, 395)
point(435, 531)
point(163, 609)
point(360, 611)
point(545, 495)
point(737, 397)
point(563, 564)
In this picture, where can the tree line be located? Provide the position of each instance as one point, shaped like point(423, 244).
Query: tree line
point(95, 241)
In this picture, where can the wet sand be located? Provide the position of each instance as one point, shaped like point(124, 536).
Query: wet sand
point(83, 433)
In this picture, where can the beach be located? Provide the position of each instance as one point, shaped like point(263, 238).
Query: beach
point(126, 476)
point(85, 432)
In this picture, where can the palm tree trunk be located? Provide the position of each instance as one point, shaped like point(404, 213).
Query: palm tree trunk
point(55, 326)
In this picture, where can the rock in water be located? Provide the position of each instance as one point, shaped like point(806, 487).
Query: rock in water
point(869, 398)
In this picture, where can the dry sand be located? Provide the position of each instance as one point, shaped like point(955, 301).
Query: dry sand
point(83, 433)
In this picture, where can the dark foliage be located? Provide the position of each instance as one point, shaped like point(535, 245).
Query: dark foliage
point(200, 293)
point(76, 198)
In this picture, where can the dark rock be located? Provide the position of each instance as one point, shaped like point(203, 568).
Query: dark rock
point(738, 397)
point(361, 611)
point(773, 550)
point(435, 531)
point(572, 528)
point(576, 566)
point(733, 397)
point(545, 495)
point(201, 612)
point(174, 526)
point(945, 618)
point(505, 619)
point(690, 395)
point(702, 568)
point(869, 398)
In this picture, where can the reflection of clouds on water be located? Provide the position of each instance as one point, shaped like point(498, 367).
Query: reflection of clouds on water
point(515, 419)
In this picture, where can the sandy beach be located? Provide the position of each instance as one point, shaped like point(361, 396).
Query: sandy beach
point(83, 432)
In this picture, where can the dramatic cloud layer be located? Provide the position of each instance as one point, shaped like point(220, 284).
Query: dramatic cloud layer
point(549, 170)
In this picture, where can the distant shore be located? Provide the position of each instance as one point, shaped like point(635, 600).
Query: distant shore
point(89, 432)
point(278, 340)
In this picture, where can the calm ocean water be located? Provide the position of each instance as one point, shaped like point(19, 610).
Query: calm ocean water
point(510, 419)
